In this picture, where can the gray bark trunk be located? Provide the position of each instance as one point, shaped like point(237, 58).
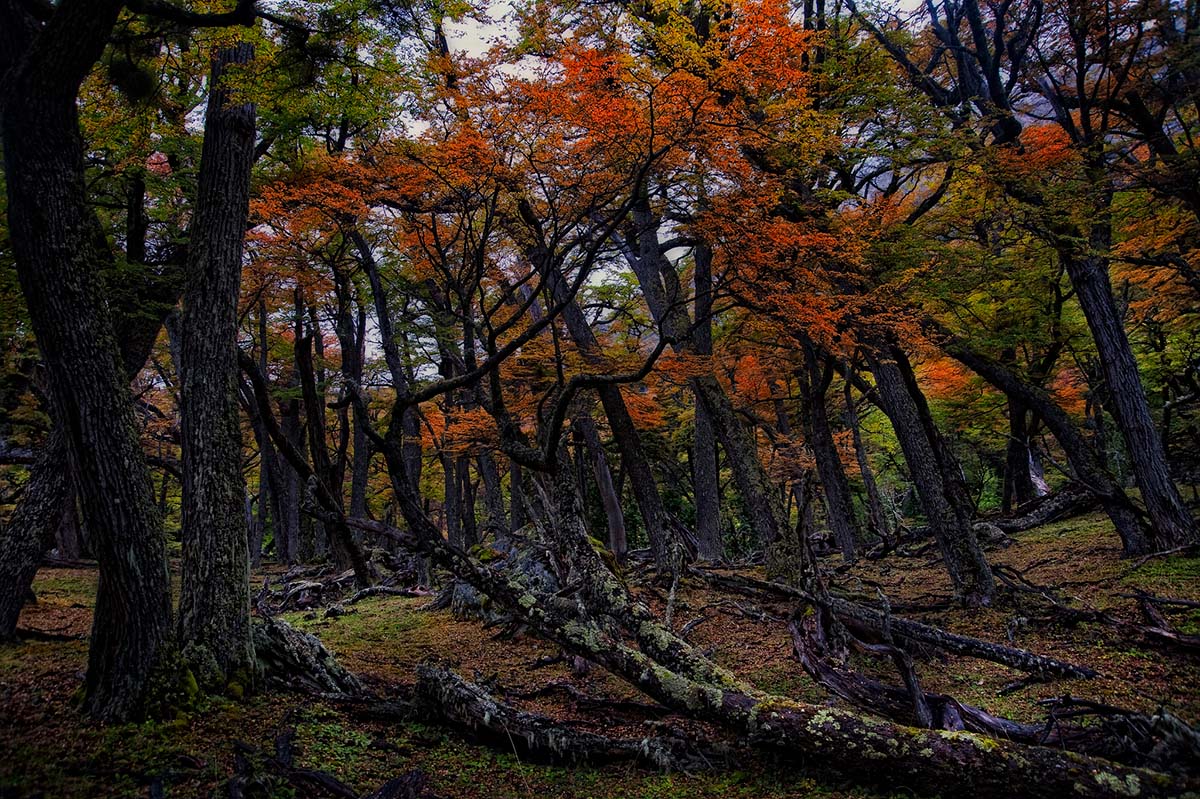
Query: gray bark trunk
point(961, 554)
point(613, 514)
point(1173, 525)
point(1018, 484)
point(493, 493)
point(625, 434)
point(59, 251)
point(213, 626)
point(876, 516)
point(839, 507)
point(30, 531)
point(660, 287)
point(1084, 459)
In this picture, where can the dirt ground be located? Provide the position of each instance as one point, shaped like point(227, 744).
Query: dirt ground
point(47, 749)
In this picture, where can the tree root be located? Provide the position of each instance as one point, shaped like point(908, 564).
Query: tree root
point(258, 774)
point(873, 623)
point(1162, 742)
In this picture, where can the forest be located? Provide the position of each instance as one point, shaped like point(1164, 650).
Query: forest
point(407, 399)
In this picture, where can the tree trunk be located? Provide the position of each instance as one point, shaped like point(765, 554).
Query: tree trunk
point(1084, 459)
point(1173, 525)
point(451, 502)
point(839, 506)
point(952, 473)
point(705, 477)
point(214, 604)
point(60, 251)
point(30, 530)
point(876, 516)
point(69, 538)
point(763, 505)
point(346, 551)
point(466, 496)
point(672, 672)
point(493, 493)
point(290, 491)
point(516, 497)
point(963, 558)
point(613, 514)
point(409, 432)
point(1018, 484)
point(625, 434)
point(762, 502)
point(351, 332)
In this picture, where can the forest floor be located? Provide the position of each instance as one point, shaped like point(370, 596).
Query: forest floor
point(48, 750)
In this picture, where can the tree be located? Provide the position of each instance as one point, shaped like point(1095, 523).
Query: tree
point(57, 242)
point(214, 605)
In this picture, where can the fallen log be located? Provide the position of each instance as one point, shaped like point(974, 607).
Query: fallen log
point(673, 673)
point(447, 698)
point(296, 659)
point(1162, 742)
point(1158, 630)
point(862, 617)
point(1071, 500)
point(386, 590)
point(951, 763)
point(257, 774)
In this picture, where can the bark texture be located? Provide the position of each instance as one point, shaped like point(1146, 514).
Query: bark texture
point(214, 604)
point(60, 250)
point(1084, 458)
point(670, 671)
point(30, 530)
point(1173, 525)
point(961, 553)
point(839, 506)
point(876, 515)
point(706, 484)
point(625, 434)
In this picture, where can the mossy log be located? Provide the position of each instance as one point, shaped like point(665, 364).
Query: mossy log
point(298, 660)
point(1071, 500)
point(671, 671)
point(444, 696)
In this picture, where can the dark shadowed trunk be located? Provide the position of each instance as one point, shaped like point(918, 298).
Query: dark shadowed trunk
point(625, 434)
point(876, 516)
point(1084, 459)
point(1172, 524)
point(214, 605)
point(59, 250)
point(613, 514)
point(518, 516)
point(493, 492)
point(288, 491)
point(30, 531)
point(963, 558)
point(451, 501)
point(68, 538)
point(1018, 483)
point(660, 288)
point(408, 433)
point(466, 495)
point(705, 478)
point(839, 506)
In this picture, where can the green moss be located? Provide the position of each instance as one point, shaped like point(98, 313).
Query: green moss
point(1130, 785)
point(173, 691)
point(486, 554)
